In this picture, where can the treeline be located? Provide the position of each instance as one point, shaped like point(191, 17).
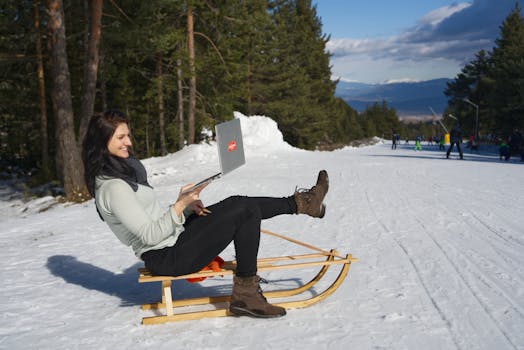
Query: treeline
point(487, 96)
point(173, 67)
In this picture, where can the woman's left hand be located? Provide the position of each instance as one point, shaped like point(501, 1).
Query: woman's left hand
point(198, 208)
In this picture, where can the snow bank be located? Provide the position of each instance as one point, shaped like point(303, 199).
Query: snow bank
point(261, 133)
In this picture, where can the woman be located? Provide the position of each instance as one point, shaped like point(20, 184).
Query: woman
point(185, 237)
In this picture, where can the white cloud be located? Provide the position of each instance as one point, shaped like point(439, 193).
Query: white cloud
point(436, 16)
point(441, 42)
point(343, 47)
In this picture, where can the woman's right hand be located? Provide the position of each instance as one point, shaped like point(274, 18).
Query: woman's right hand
point(186, 198)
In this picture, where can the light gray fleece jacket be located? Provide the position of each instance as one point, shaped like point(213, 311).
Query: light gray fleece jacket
point(136, 218)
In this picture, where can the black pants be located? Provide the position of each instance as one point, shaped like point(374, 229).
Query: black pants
point(235, 219)
point(451, 148)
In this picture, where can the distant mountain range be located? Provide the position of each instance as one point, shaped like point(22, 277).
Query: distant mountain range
point(410, 99)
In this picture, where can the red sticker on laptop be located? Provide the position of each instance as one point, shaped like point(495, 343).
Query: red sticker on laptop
point(231, 146)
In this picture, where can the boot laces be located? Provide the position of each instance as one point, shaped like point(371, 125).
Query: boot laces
point(305, 190)
point(263, 280)
point(308, 192)
point(259, 289)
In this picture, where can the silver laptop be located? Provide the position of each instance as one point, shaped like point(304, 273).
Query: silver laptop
point(230, 150)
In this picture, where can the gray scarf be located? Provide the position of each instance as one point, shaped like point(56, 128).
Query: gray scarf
point(130, 169)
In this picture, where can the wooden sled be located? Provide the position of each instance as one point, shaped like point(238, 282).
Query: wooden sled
point(321, 258)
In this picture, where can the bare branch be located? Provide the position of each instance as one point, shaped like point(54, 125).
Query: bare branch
point(216, 49)
point(121, 11)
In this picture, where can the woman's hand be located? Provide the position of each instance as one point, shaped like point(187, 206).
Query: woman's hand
point(188, 198)
point(198, 208)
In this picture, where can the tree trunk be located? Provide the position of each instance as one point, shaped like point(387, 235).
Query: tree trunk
point(147, 131)
point(68, 152)
point(192, 78)
point(44, 143)
point(91, 67)
point(103, 87)
point(180, 112)
point(249, 100)
point(161, 121)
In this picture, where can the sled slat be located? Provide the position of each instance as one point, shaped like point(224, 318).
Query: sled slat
point(146, 276)
point(186, 316)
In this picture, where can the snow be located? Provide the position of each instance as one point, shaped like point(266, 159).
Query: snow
point(440, 245)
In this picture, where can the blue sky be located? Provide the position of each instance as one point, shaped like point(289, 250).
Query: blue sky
point(377, 41)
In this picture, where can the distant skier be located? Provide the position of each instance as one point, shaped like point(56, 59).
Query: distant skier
point(455, 139)
point(503, 151)
point(394, 140)
point(418, 146)
point(473, 144)
point(441, 143)
point(515, 145)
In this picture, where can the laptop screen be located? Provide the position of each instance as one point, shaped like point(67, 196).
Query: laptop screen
point(230, 151)
point(230, 145)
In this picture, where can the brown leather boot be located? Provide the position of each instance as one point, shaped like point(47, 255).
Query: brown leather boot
point(247, 299)
point(310, 201)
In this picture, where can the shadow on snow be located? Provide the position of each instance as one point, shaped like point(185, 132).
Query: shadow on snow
point(125, 285)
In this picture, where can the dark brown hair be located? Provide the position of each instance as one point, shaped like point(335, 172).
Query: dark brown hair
point(95, 154)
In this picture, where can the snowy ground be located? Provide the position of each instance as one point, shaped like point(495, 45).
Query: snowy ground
point(440, 245)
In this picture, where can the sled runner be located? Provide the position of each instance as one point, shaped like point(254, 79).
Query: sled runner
point(323, 259)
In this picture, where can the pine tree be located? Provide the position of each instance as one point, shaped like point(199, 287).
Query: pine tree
point(507, 73)
point(91, 66)
point(68, 154)
point(241, 32)
point(346, 126)
point(474, 84)
point(379, 120)
point(301, 90)
point(45, 159)
point(20, 138)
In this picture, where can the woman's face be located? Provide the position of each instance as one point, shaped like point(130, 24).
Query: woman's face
point(120, 142)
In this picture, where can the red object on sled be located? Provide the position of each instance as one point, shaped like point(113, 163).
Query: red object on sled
point(215, 265)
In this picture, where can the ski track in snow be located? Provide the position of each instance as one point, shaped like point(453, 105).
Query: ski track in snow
point(477, 260)
point(448, 314)
point(440, 245)
point(418, 273)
